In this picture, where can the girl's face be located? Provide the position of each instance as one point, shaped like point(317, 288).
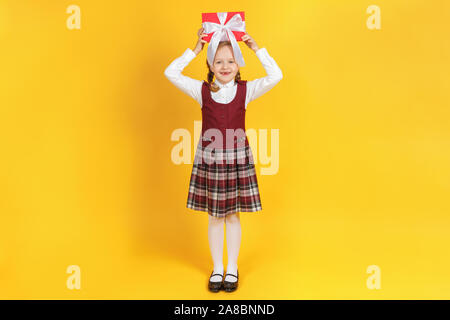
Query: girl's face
point(224, 67)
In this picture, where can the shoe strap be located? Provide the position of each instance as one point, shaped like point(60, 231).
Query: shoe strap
point(216, 274)
point(230, 274)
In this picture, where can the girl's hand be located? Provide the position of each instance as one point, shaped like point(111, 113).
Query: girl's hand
point(250, 42)
point(200, 42)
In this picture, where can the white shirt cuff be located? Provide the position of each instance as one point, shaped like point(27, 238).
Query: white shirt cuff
point(261, 52)
point(189, 54)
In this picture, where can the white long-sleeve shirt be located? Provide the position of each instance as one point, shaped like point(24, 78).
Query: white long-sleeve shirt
point(227, 92)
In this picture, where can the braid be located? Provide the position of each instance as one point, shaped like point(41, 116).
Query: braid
point(212, 86)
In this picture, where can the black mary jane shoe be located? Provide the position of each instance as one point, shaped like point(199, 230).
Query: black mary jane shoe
point(215, 286)
point(230, 286)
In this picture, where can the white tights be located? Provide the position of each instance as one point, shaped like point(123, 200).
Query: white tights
point(216, 240)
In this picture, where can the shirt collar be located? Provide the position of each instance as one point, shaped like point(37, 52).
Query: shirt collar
point(229, 84)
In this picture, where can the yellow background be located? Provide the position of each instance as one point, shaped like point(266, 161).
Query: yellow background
point(87, 179)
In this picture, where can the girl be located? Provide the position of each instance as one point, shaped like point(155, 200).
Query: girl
point(224, 190)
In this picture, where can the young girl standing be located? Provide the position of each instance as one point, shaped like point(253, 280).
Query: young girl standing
point(223, 179)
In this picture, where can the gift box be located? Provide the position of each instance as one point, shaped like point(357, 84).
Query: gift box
point(214, 18)
point(224, 26)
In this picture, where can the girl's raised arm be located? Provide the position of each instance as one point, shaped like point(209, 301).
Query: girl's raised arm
point(191, 87)
point(258, 87)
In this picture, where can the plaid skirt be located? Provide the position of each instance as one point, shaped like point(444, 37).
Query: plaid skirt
point(223, 181)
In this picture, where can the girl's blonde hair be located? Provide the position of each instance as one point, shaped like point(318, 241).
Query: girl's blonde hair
point(212, 86)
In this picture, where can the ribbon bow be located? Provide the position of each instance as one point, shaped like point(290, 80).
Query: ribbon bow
point(223, 32)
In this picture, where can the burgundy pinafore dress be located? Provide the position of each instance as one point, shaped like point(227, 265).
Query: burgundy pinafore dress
point(223, 179)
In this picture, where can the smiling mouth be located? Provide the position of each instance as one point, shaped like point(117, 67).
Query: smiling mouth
point(225, 73)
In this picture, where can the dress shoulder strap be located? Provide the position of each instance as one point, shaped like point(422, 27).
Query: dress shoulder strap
point(205, 93)
point(242, 90)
